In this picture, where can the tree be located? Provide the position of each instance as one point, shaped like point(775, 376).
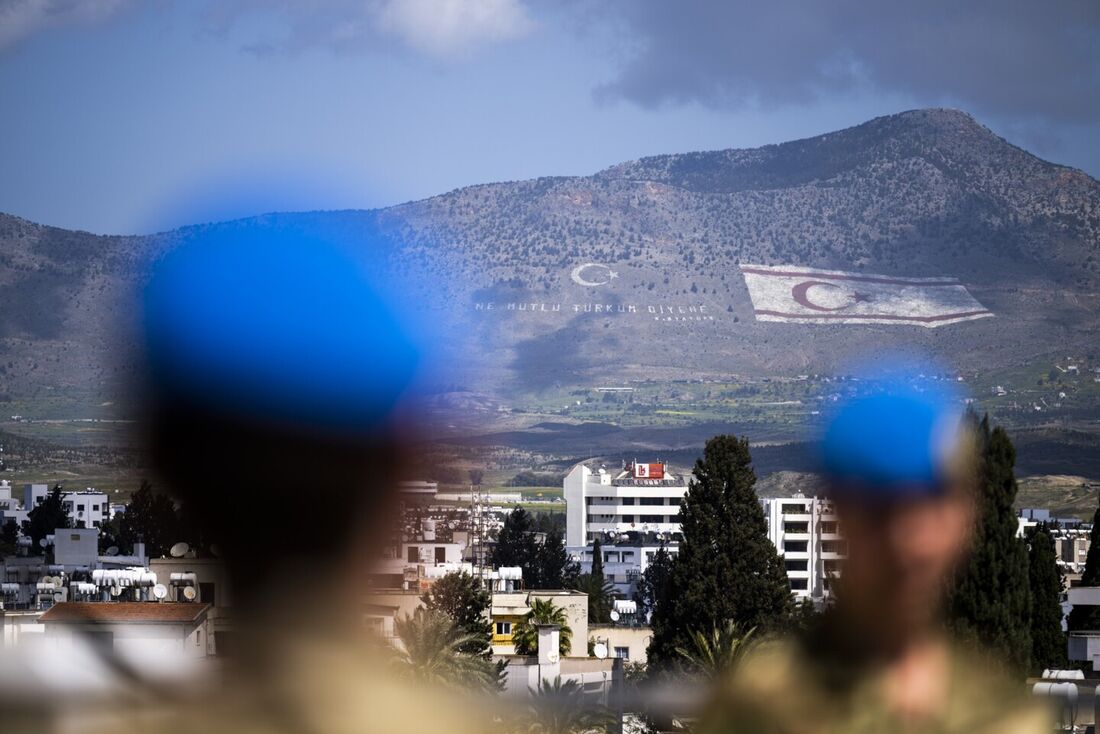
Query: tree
point(599, 601)
point(109, 533)
point(726, 569)
point(515, 544)
point(150, 518)
point(525, 635)
point(601, 596)
point(990, 603)
point(431, 654)
point(553, 568)
point(558, 707)
point(464, 600)
point(652, 587)
point(1048, 641)
point(48, 516)
point(1088, 617)
point(715, 653)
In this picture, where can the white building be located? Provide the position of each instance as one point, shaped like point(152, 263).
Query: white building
point(805, 532)
point(160, 635)
point(87, 508)
point(601, 679)
point(639, 500)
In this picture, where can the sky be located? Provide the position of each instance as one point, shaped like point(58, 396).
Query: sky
point(135, 116)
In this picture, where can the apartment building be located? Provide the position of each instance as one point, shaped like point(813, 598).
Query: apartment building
point(635, 501)
point(806, 533)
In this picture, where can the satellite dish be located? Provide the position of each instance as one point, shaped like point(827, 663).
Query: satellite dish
point(215, 550)
point(179, 550)
point(600, 650)
point(42, 542)
point(160, 591)
point(113, 550)
point(58, 596)
point(116, 591)
point(189, 593)
point(614, 616)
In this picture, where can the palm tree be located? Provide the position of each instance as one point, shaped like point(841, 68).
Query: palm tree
point(525, 635)
point(560, 708)
point(601, 596)
point(431, 653)
point(713, 654)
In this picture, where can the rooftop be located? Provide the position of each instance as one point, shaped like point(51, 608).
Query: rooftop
point(134, 612)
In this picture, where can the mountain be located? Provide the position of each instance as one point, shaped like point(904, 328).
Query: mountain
point(918, 194)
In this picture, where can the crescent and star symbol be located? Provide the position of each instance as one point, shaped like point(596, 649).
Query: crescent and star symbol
point(801, 295)
point(592, 275)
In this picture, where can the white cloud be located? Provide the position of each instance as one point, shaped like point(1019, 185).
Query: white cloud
point(448, 27)
point(20, 19)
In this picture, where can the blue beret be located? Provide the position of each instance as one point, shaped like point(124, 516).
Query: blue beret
point(893, 444)
point(276, 324)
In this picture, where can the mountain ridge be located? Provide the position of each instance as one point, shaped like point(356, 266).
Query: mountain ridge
point(923, 192)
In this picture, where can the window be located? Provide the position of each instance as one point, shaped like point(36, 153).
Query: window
point(628, 501)
point(413, 554)
point(795, 546)
point(74, 537)
point(95, 508)
point(652, 518)
point(829, 527)
point(674, 501)
point(653, 500)
point(440, 554)
point(623, 653)
point(504, 628)
point(796, 565)
point(796, 527)
point(628, 518)
point(800, 584)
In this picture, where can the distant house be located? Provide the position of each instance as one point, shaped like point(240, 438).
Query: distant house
point(507, 609)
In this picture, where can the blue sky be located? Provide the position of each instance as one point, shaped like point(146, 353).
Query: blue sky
point(123, 116)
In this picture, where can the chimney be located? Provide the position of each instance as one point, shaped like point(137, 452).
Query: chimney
point(549, 660)
point(139, 552)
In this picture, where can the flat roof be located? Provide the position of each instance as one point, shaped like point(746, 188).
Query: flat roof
point(132, 612)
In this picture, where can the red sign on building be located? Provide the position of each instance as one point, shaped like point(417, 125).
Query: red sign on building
point(649, 471)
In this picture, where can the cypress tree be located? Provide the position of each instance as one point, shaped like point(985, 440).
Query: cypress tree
point(652, 590)
point(726, 569)
point(1048, 641)
point(597, 560)
point(1088, 618)
point(599, 610)
point(990, 602)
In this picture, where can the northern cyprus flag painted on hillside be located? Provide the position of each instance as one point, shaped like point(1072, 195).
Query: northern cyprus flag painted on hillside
point(793, 294)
